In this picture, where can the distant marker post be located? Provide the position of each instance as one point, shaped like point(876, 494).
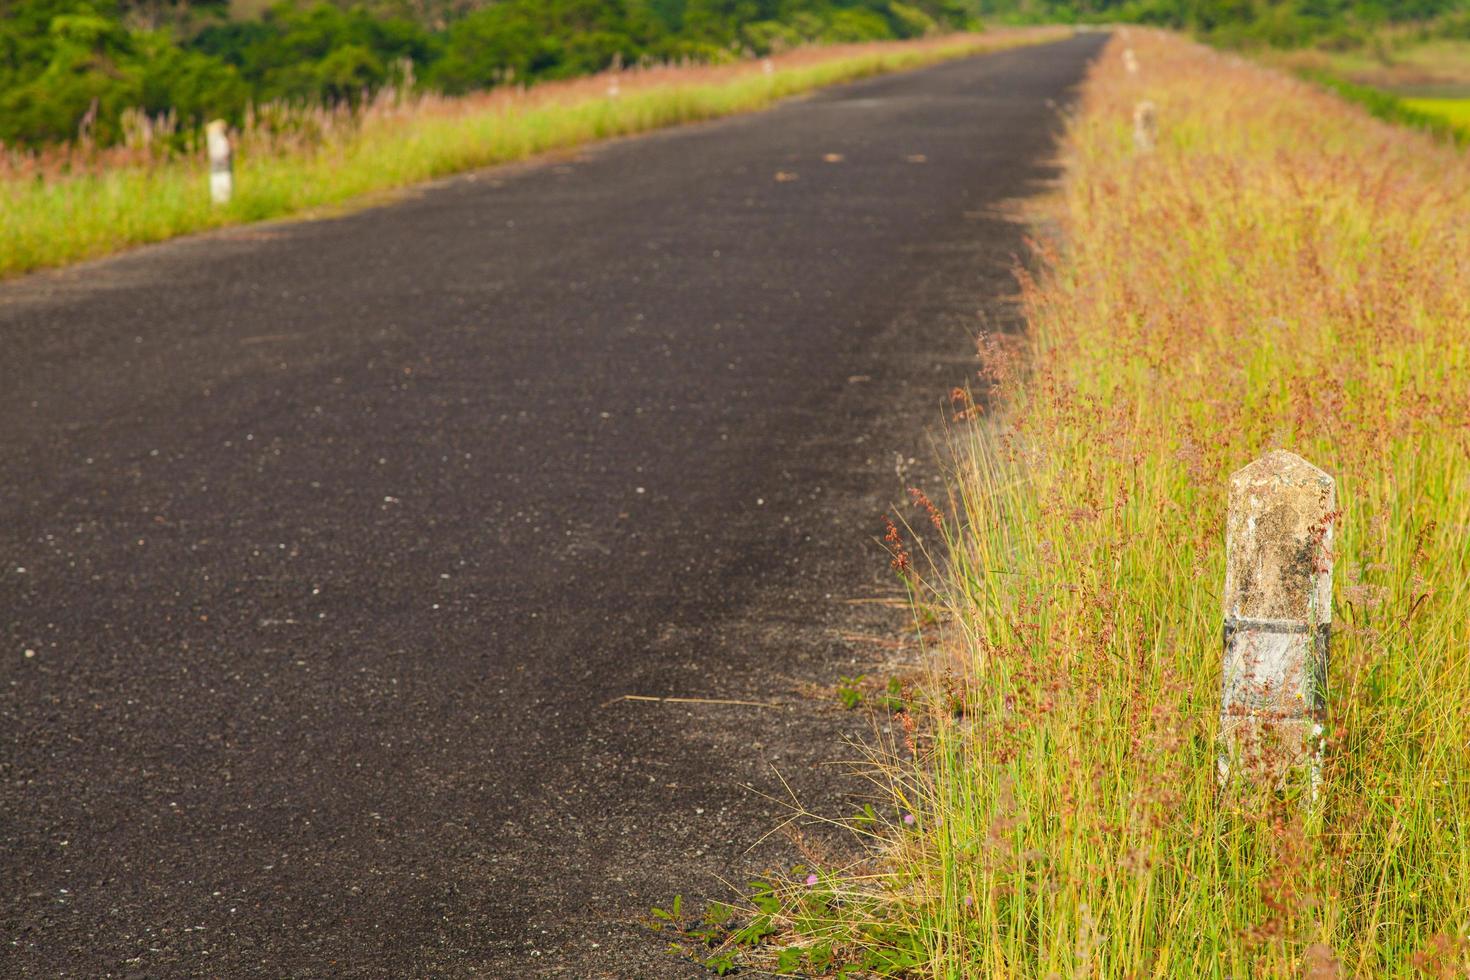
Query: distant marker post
point(1145, 126)
point(221, 172)
point(614, 78)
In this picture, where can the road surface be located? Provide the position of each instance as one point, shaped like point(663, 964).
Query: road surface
point(329, 547)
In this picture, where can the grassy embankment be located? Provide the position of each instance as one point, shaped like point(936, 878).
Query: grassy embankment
point(1283, 271)
point(75, 204)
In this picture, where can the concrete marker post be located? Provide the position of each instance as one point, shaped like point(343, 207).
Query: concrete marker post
point(615, 76)
point(1145, 126)
point(1278, 620)
point(221, 172)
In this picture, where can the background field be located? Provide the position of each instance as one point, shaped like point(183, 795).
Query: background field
point(1452, 110)
point(1418, 70)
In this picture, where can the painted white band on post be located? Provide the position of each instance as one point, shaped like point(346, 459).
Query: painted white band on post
point(221, 175)
point(1278, 618)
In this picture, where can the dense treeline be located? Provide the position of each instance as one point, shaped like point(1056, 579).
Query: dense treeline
point(1284, 23)
point(85, 68)
point(93, 68)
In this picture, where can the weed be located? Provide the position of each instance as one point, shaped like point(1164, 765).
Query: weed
point(801, 932)
point(893, 696)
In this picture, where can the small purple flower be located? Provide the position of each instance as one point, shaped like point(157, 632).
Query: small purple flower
point(969, 900)
point(908, 818)
point(811, 879)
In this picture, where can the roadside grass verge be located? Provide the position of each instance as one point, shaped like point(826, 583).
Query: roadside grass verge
point(64, 207)
point(1282, 271)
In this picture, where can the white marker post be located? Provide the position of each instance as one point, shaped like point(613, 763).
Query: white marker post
point(221, 175)
point(1278, 619)
point(1145, 126)
point(614, 79)
point(1130, 61)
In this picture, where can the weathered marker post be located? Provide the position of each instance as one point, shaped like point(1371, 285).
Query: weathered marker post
point(221, 175)
point(615, 76)
point(1145, 126)
point(1278, 619)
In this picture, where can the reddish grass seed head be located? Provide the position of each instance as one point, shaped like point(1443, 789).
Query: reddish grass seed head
point(922, 501)
point(901, 561)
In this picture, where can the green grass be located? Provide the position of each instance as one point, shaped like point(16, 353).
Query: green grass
point(58, 219)
point(1389, 107)
point(1281, 271)
point(1315, 299)
point(1454, 111)
point(1415, 112)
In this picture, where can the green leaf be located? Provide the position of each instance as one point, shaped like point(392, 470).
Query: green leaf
point(721, 963)
point(820, 957)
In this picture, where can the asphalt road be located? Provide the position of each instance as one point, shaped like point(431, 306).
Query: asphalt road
point(326, 549)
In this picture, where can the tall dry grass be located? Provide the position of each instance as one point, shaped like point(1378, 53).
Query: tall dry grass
point(79, 201)
point(1282, 271)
